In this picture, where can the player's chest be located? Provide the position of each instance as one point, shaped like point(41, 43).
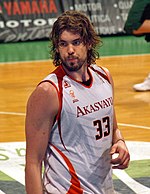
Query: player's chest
point(83, 100)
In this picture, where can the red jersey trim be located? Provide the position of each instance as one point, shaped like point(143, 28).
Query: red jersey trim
point(101, 74)
point(75, 187)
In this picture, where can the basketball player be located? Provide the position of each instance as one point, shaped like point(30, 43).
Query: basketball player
point(138, 24)
point(70, 122)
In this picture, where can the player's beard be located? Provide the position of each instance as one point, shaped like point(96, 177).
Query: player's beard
point(73, 64)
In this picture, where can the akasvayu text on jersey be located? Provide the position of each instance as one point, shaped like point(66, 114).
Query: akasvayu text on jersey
point(81, 111)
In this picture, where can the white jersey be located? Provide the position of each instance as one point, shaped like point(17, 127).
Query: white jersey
point(77, 159)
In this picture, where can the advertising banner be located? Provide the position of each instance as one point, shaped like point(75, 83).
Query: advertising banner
point(24, 20)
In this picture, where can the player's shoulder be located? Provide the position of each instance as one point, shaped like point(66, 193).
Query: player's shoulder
point(101, 69)
point(106, 72)
point(43, 92)
point(46, 89)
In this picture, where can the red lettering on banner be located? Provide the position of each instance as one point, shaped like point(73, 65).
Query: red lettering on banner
point(52, 6)
point(16, 9)
point(8, 7)
point(25, 7)
point(43, 7)
point(35, 8)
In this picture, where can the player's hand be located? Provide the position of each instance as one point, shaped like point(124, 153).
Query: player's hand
point(123, 157)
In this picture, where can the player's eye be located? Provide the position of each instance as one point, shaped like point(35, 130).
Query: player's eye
point(77, 42)
point(62, 44)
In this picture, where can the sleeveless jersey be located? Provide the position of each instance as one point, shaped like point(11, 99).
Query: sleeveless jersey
point(77, 158)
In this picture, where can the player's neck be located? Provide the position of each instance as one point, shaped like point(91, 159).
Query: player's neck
point(82, 75)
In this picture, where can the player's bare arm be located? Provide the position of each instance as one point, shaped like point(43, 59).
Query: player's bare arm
point(144, 28)
point(119, 145)
point(42, 107)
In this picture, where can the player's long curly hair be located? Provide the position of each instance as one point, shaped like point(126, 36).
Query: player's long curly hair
point(78, 23)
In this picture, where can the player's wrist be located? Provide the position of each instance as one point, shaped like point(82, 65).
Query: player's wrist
point(120, 139)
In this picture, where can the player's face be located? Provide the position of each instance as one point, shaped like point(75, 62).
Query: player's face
point(73, 52)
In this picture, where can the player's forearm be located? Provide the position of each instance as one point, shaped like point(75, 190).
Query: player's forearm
point(117, 136)
point(33, 180)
